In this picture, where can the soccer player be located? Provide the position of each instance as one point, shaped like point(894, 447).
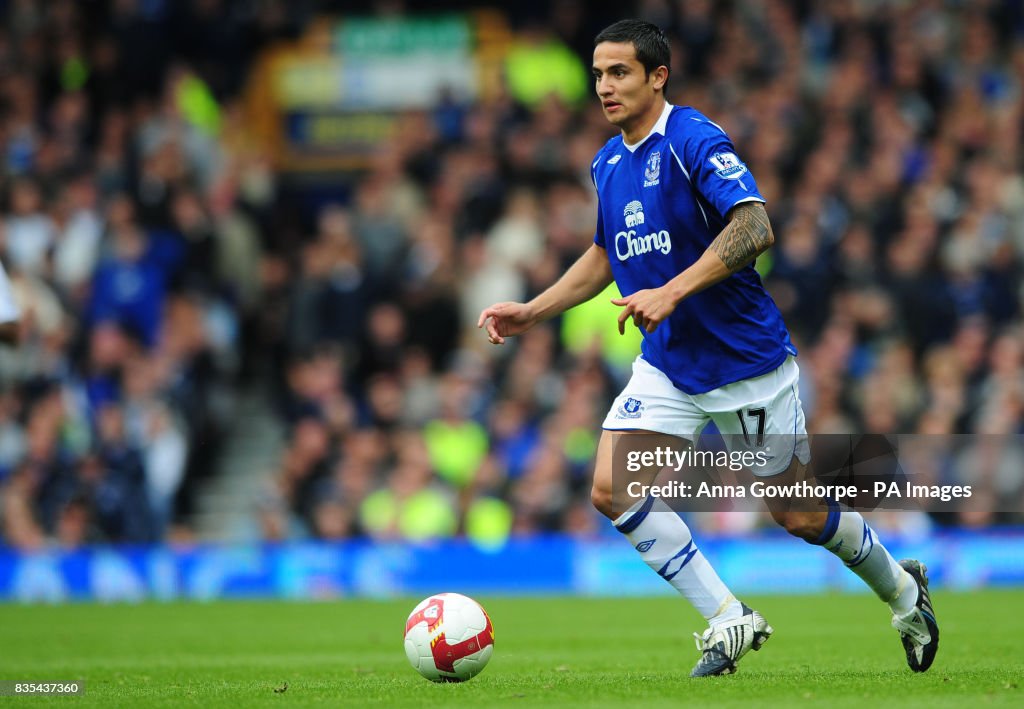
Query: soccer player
point(680, 222)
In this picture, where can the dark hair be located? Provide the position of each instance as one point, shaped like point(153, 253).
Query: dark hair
point(648, 40)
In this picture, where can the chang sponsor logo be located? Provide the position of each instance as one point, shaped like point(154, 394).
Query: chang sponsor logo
point(634, 213)
point(629, 243)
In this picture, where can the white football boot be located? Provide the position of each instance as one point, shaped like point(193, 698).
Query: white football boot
point(918, 629)
point(722, 645)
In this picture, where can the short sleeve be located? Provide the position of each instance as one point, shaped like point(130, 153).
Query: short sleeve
point(599, 229)
point(715, 169)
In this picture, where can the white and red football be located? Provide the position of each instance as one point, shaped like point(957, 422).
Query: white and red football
point(449, 638)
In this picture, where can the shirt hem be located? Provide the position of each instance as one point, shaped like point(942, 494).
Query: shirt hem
point(703, 388)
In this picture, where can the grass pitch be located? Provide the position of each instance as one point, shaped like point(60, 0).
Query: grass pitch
point(552, 652)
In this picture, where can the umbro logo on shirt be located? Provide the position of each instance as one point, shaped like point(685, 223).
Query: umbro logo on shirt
point(614, 159)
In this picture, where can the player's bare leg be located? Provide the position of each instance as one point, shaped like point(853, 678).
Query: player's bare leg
point(666, 545)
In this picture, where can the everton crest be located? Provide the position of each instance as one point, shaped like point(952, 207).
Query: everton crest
point(652, 171)
point(630, 409)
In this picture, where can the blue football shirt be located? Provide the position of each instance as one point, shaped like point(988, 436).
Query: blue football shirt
point(661, 204)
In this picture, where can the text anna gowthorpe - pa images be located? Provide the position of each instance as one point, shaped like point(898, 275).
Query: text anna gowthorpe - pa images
point(675, 489)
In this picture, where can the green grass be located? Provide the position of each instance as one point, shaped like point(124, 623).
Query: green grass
point(553, 652)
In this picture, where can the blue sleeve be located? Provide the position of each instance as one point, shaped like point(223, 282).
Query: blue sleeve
point(715, 170)
point(599, 229)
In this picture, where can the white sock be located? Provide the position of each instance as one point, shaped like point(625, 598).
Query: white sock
point(666, 545)
point(857, 545)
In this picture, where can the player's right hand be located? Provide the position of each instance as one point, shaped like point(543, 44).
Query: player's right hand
point(505, 319)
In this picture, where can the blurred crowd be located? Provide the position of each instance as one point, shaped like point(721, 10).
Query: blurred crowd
point(163, 265)
point(132, 229)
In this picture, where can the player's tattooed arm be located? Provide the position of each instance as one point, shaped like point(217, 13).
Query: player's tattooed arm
point(748, 234)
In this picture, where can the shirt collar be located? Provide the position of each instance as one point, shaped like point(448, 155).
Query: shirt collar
point(659, 128)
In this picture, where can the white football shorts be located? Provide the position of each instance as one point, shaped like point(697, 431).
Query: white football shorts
point(753, 414)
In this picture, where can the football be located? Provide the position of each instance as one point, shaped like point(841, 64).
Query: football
point(449, 638)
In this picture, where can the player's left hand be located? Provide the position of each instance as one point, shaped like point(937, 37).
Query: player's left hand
point(648, 308)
